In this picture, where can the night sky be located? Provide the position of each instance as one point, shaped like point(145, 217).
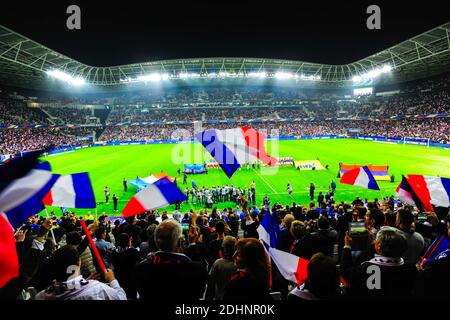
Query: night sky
point(122, 32)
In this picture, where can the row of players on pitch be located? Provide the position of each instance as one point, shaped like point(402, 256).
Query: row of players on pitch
point(209, 196)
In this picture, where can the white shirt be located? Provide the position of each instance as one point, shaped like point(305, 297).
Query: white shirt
point(81, 289)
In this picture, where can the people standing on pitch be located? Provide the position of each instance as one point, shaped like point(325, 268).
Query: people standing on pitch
point(253, 198)
point(185, 178)
point(320, 199)
point(289, 190)
point(115, 201)
point(125, 186)
point(106, 191)
point(179, 171)
point(333, 186)
point(266, 202)
point(311, 191)
point(187, 192)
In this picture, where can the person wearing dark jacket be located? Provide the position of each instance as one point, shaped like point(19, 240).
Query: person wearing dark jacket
point(196, 249)
point(322, 283)
point(215, 246)
point(222, 270)
point(386, 275)
point(286, 239)
point(251, 282)
point(168, 273)
point(124, 258)
point(133, 230)
point(327, 233)
point(233, 223)
point(433, 278)
point(250, 226)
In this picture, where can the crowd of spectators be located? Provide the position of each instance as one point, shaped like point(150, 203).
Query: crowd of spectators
point(437, 129)
point(25, 139)
point(14, 141)
point(216, 254)
point(69, 115)
point(13, 113)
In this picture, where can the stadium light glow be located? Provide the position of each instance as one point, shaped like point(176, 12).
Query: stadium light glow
point(310, 77)
point(257, 74)
point(372, 74)
point(283, 75)
point(154, 77)
point(186, 75)
point(58, 74)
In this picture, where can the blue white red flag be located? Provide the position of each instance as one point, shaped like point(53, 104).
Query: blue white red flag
point(71, 191)
point(235, 147)
point(361, 177)
point(157, 195)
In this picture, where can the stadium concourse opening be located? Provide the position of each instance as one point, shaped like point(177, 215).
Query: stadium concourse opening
point(114, 185)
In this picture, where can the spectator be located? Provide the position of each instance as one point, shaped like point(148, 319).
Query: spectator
point(72, 286)
point(251, 280)
point(123, 259)
point(416, 243)
point(395, 278)
point(322, 283)
point(163, 273)
point(286, 239)
point(222, 269)
point(433, 279)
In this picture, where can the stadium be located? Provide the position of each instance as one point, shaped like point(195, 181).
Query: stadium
point(130, 125)
point(153, 106)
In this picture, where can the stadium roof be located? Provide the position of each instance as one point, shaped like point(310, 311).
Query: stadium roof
point(25, 63)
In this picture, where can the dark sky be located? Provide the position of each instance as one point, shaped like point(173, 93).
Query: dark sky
point(121, 32)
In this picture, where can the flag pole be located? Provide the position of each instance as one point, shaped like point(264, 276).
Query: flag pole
point(93, 246)
point(51, 227)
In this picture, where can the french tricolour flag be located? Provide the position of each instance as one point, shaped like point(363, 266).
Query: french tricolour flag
point(71, 191)
point(407, 195)
point(22, 182)
point(431, 190)
point(235, 147)
point(24, 196)
point(291, 267)
point(157, 195)
point(361, 177)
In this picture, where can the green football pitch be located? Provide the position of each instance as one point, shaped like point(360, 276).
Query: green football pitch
point(108, 166)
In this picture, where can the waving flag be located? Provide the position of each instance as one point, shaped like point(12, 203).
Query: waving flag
point(71, 191)
point(157, 195)
point(37, 181)
point(9, 262)
point(438, 249)
point(431, 190)
point(291, 267)
point(407, 195)
point(361, 177)
point(17, 168)
point(21, 180)
point(234, 147)
point(23, 197)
